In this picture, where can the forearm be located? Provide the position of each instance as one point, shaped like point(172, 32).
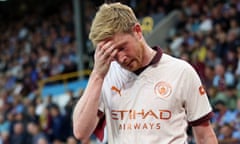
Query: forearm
point(207, 140)
point(204, 134)
point(85, 112)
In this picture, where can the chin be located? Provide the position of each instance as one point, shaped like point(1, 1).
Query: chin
point(127, 67)
point(131, 68)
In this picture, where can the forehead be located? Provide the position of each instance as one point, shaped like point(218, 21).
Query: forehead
point(121, 37)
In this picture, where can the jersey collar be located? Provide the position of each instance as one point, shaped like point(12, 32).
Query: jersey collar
point(155, 60)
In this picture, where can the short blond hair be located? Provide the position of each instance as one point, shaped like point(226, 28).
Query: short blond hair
point(110, 19)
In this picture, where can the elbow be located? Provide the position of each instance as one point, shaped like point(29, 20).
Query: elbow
point(84, 140)
point(78, 129)
point(76, 134)
point(79, 135)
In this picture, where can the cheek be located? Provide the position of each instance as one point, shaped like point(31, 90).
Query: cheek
point(139, 51)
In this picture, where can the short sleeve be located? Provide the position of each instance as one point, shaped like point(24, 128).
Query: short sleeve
point(196, 101)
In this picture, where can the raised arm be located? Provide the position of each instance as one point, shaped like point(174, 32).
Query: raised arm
point(85, 114)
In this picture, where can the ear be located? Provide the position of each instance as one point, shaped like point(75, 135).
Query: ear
point(137, 30)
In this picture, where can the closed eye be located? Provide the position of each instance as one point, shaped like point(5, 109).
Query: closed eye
point(121, 49)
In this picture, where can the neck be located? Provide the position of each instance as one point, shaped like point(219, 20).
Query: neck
point(151, 56)
point(149, 53)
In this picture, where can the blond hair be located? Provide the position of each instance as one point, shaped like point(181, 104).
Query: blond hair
point(110, 19)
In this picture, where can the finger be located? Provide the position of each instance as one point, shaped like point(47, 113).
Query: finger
point(113, 55)
point(106, 46)
point(107, 49)
point(111, 46)
point(98, 51)
point(99, 45)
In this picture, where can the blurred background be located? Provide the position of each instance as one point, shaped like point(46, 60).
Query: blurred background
point(46, 58)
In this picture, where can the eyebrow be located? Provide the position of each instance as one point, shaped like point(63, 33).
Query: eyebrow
point(121, 44)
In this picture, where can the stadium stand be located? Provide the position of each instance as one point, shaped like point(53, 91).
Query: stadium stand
point(38, 51)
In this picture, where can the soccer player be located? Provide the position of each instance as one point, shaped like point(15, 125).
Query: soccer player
point(145, 95)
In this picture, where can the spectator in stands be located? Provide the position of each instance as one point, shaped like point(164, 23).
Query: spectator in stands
point(10, 119)
point(4, 124)
point(56, 67)
point(222, 115)
point(231, 95)
point(19, 135)
point(4, 138)
point(208, 76)
point(4, 130)
point(45, 120)
point(31, 115)
point(34, 130)
point(236, 122)
point(57, 125)
point(222, 78)
point(40, 106)
point(211, 58)
point(69, 110)
point(228, 135)
point(237, 70)
point(230, 61)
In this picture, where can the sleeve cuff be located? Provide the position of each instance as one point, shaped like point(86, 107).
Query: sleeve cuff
point(201, 120)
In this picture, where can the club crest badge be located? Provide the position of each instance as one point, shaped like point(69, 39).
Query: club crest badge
point(163, 89)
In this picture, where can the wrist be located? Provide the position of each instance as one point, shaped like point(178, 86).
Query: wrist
point(96, 75)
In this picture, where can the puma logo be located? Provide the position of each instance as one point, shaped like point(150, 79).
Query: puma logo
point(116, 90)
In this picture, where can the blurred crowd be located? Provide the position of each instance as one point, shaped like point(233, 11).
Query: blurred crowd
point(37, 47)
point(207, 35)
point(34, 48)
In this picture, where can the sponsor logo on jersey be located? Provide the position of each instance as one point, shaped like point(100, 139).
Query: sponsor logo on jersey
point(115, 89)
point(163, 89)
point(142, 114)
point(139, 119)
point(201, 90)
point(139, 126)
